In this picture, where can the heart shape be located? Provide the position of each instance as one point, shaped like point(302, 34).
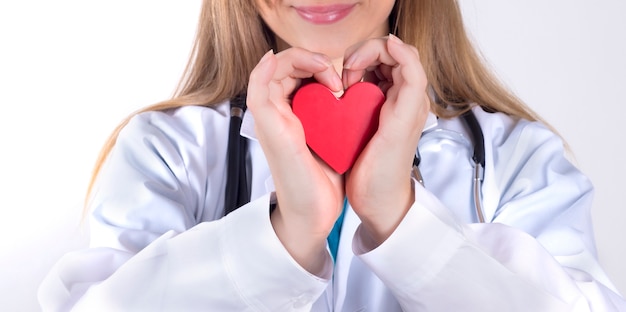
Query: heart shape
point(337, 129)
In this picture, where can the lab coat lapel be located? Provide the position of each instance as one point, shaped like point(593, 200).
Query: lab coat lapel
point(344, 258)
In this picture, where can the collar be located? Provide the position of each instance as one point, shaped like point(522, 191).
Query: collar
point(247, 125)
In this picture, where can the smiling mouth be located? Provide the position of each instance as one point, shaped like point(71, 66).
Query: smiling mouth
point(327, 14)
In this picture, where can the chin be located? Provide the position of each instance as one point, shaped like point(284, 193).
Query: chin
point(332, 46)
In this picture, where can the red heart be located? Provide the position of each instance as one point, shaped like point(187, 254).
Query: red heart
point(338, 129)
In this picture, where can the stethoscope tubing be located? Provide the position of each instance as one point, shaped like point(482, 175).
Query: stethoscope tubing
point(236, 193)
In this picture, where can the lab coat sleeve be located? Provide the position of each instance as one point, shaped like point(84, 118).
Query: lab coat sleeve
point(147, 252)
point(537, 254)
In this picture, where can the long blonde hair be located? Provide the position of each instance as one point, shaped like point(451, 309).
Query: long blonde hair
point(231, 38)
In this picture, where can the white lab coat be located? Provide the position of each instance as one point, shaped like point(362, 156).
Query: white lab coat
point(159, 242)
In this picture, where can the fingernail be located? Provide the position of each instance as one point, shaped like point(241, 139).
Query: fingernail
point(337, 83)
point(393, 38)
point(349, 62)
point(344, 79)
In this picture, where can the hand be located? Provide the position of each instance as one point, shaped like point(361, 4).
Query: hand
point(379, 184)
point(309, 193)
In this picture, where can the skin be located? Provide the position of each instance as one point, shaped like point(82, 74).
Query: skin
point(309, 193)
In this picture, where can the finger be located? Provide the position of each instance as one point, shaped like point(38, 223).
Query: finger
point(297, 63)
point(406, 106)
point(384, 78)
point(409, 78)
point(365, 56)
point(276, 76)
point(408, 61)
point(260, 77)
point(385, 72)
point(264, 101)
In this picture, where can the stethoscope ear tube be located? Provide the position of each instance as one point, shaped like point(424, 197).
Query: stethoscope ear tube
point(477, 137)
point(479, 161)
point(415, 172)
point(237, 193)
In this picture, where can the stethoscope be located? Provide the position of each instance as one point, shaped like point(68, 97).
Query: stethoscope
point(237, 191)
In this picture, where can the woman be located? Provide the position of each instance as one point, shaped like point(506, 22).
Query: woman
point(159, 240)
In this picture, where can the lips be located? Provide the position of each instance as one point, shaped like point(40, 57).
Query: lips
point(326, 14)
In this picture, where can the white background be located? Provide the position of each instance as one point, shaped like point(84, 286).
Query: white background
point(70, 70)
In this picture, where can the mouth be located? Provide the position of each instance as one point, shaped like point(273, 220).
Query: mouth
point(325, 14)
